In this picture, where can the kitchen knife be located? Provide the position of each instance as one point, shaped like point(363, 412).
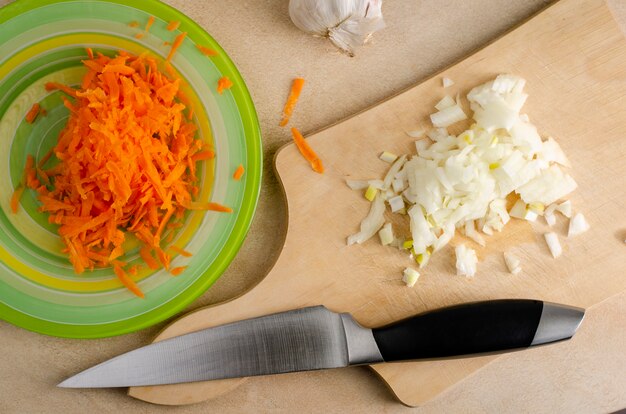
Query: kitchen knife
point(315, 338)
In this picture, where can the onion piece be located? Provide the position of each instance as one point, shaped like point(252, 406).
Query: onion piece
point(396, 203)
point(512, 263)
point(565, 208)
point(386, 234)
point(550, 219)
point(448, 116)
point(553, 244)
point(371, 223)
point(465, 261)
point(357, 184)
point(418, 133)
point(388, 157)
point(444, 103)
point(410, 276)
point(577, 225)
point(447, 82)
point(470, 231)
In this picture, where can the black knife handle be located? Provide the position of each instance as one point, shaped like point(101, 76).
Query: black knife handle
point(474, 328)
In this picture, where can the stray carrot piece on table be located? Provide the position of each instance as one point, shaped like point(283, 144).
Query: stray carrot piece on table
point(292, 100)
point(177, 42)
point(207, 51)
point(173, 25)
point(223, 83)
point(149, 23)
point(238, 173)
point(178, 270)
point(180, 251)
point(307, 152)
point(32, 113)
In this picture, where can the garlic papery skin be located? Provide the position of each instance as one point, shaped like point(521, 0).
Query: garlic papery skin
point(347, 23)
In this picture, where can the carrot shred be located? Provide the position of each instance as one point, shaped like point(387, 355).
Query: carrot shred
point(206, 51)
point(127, 281)
point(180, 251)
point(210, 206)
point(223, 83)
point(307, 152)
point(149, 23)
point(177, 42)
point(51, 86)
point(178, 270)
point(134, 23)
point(292, 100)
point(124, 163)
point(139, 35)
point(15, 198)
point(145, 254)
point(32, 113)
point(238, 173)
point(89, 53)
point(173, 25)
point(166, 43)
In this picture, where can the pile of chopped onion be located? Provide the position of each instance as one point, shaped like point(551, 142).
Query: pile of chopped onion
point(461, 182)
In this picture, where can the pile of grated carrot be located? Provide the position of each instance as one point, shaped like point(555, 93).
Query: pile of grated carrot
point(126, 164)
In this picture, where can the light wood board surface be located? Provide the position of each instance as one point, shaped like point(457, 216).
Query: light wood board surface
point(574, 59)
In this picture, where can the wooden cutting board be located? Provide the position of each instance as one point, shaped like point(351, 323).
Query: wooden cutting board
point(574, 59)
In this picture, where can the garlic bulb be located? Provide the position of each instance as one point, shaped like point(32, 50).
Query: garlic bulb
point(347, 23)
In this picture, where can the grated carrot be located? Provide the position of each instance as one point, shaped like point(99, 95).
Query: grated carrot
point(180, 251)
point(89, 53)
point(126, 164)
point(178, 270)
point(207, 51)
point(223, 83)
point(307, 152)
point(134, 24)
point(31, 115)
point(292, 100)
point(177, 42)
point(139, 35)
point(149, 23)
point(238, 173)
point(173, 25)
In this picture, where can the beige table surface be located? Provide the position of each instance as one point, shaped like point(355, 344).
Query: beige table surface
point(585, 375)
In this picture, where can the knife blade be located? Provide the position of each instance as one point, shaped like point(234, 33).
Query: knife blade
point(316, 338)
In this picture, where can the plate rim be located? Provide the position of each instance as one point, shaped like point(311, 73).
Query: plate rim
point(254, 172)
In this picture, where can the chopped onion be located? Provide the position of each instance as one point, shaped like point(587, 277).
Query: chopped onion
point(553, 244)
point(448, 116)
point(512, 263)
point(446, 102)
point(470, 231)
point(357, 184)
point(410, 276)
point(396, 203)
point(370, 193)
point(550, 219)
point(465, 261)
point(577, 225)
point(388, 157)
point(462, 182)
point(565, 208)
point(447, 82)
point(386, 234)
point(370, 224)
point(418, 133)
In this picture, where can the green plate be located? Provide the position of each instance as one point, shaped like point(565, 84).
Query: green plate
point(45, 40)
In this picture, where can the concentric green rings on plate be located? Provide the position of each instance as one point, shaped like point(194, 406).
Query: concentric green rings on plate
point(45, 40)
